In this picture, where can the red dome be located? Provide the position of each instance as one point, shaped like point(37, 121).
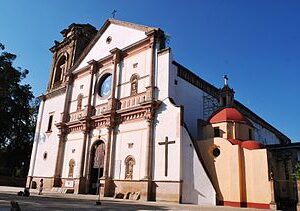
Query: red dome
point(248, 144)
point(227, 114)
point(251, 144)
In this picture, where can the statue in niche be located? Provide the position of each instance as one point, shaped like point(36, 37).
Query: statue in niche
point(129, 162)
point(134, 84)
point(71, 168)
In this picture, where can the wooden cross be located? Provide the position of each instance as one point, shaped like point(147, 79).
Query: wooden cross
point(166, 143)
point(114, 13)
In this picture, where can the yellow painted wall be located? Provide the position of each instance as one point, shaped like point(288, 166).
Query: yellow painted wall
point(257, 179)
point(223, 170)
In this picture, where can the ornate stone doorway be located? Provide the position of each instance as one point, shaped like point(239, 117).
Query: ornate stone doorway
point(97, 165)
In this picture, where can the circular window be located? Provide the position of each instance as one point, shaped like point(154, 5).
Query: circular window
point(216, 152)
point(108, 39)
point(105, 85)
point(45, 155)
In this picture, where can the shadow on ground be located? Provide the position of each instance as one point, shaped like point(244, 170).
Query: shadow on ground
point(50, 203)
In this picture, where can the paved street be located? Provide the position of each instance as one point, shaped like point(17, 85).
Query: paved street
point(56, 201)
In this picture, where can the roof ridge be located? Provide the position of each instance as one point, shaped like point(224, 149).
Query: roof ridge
point(132, 25)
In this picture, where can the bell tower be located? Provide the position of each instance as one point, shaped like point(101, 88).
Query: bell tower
point(66, 52)
point(226, 94)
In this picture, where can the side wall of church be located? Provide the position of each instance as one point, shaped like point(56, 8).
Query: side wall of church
point(191, 97)
point(264, 135)
point(48, 141)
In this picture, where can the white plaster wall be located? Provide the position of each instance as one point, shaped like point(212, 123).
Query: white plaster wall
point(127, 70)
point(196, 187)
point(76, 90)
point(48, 142)
point(136, 133)
point(167, 124)
point(121, 37)
point(74, 142)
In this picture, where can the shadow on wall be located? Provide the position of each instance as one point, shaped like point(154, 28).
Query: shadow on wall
point(194, 194)
point(209, 161)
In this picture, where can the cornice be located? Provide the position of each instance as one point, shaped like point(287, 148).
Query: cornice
point(56, 92)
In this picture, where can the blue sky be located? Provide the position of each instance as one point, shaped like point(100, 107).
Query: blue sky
point(255, 42)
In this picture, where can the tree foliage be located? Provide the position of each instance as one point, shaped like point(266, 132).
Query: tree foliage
point(18, 111)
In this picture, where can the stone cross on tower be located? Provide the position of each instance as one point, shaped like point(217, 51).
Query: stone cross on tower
point(166, 143)
point(225, 80)
point(114, 13)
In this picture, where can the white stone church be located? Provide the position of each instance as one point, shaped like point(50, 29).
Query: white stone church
point(121, 110)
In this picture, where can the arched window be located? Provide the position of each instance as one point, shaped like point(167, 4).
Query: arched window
point(134, 84)
point(71, 167)
point(59, 70)
point(79, 102)
point(129, 163)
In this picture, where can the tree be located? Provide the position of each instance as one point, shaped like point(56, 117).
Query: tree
point(18, 111)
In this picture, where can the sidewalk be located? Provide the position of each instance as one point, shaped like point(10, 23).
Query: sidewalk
point(60, 200)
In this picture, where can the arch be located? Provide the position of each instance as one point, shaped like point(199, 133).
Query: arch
point(96, 166)
point(60, 68)
point(134, 84)
point(71, 167)
point(129, 163)
point(79, 102)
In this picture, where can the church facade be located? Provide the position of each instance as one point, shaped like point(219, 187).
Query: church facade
point(119, 111)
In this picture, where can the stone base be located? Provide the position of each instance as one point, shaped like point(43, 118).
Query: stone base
point(167, 191)
point(34, 182)
point(126, 186)
point(156, 190)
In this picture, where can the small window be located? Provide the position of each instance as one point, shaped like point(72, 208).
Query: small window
point(50, 123)
point(250, 134)
point(216, 152)
point(108, 40)
point(45, 155)
point(217, 132)
point(224, 101)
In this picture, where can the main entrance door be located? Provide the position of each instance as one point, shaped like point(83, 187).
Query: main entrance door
point(97, 165)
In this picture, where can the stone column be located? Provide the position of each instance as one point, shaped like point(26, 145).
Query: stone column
point(111, 123)
point(86, 131)
point(63, 133)
point(106, 176)
point(107, 153)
